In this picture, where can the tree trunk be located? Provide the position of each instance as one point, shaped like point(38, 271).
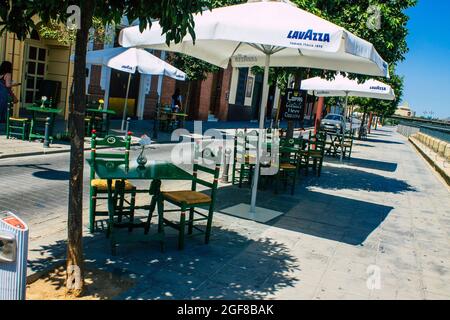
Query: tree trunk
point(75, 280)
point(362, 125)
point(188, 98)
point(369, 125)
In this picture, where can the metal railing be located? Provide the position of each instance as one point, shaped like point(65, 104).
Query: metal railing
point(407, 131)
point(439, 132)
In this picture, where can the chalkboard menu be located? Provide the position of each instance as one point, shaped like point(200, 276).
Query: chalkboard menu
point(292, 104)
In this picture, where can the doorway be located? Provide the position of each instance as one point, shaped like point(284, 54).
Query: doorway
point(118, 90)
point(257, 96)
point(35, 65)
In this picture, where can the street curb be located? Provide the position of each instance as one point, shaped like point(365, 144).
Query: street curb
point(38, 153)
point(436, 167)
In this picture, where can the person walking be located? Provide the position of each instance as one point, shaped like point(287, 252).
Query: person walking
point(6, 93)
point(177, 105)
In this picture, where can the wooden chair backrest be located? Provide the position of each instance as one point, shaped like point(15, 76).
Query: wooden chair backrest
point(111, 142)
point(211, 157)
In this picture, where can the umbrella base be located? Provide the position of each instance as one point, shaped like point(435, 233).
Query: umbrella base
point(261, 215)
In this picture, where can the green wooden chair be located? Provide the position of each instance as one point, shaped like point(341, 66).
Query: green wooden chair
point(189, 200)
point(244, 162)
point(348, 144)
point(99, 187)
point(289, 164)
point(313, 156)
point(16, 126)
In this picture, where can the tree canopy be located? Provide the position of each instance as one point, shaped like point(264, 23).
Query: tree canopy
point(194, 68)
point(175, 16)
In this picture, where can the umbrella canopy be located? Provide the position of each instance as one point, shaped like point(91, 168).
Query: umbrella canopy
point(342, 86)
point(345, 87)
point(131, 59)
point(293, 36)
point(266, 34)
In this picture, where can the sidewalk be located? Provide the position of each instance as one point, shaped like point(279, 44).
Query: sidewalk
point(374, 213)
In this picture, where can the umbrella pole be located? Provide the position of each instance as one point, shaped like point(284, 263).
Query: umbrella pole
point(126, 104)
point(262, 117)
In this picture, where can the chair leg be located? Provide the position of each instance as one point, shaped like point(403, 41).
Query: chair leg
point(121, 203)
point(277, 181)
point(233, 174)
point(132, 205)
point(319, 171)
point(92, 208)
point(191, 220)
point(294, 180)
point(209, 224)
point(241, 173)
point(182, 228)
point(160, 206)
point(306, 165)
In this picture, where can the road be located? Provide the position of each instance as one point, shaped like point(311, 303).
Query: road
point(37, 189)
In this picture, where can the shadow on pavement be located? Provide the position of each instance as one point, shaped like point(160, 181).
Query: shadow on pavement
point(231, 266)
point(338, 178)
point(44, 173)
point(318, 214)
point(370, 164)
point(364, 145)
point(382, 141)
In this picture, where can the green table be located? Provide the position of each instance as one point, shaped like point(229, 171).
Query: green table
point(34, 127)
point(173, 117)
point(104, 125)
point(155, 171)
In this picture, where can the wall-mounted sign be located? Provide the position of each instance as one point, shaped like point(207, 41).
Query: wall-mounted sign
point(292, 104)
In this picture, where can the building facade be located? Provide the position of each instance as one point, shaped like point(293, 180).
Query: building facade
point(405, 111)
point(232, 94)
point(36, 60)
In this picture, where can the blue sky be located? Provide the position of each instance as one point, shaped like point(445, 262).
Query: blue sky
point(427, 65)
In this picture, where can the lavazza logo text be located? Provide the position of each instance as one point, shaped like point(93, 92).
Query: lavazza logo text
point(309, 35)
point(378, 88)
point(127, 67)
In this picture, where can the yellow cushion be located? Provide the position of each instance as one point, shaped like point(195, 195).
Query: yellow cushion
point(315, 153)
point(250, 158)
point(18, 119)
point(347, 145)
point(102, 185)
point(188, 197)
point(287, 166)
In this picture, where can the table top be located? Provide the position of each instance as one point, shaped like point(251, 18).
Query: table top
point(43, 110)
point(153, 170)
point(179, 114)
point(102, 111)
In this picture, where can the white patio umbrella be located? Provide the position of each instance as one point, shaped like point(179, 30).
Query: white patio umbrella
point(129, 60)
point(266, 34)
point(344, 87)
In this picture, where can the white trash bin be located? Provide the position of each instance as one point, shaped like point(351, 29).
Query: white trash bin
point(13, 256)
